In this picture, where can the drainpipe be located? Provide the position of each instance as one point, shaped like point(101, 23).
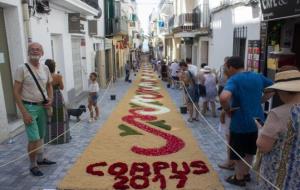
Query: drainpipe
point(26, 17)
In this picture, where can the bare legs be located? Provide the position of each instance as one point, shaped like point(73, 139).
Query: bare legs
point(241, 169)
point(193, 111)
point(213, 107)
point(91, 106)
point(35, 152)
point(32, 152)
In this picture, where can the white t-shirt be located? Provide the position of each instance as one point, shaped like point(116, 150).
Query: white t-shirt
point(194, 70)
point(174, 68)
point(93, 87)
point(30, 91)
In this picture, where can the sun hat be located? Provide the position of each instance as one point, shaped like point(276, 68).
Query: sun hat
point(207, 69)
point(286, 81)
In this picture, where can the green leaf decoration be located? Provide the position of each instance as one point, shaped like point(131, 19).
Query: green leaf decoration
point(156, 103)
point(127, 131)
point(161, 124)
point(134, 105)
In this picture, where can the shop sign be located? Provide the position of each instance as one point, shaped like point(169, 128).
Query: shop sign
point(276, 9)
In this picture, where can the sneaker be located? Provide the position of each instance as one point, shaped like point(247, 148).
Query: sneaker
point(35, 171)
point(46, 162)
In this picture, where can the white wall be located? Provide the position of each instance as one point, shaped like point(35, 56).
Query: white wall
point(14, 32)
point(12, 10)
point(223, 24)
point(56, 23)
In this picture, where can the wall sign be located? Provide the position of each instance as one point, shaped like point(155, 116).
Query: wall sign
point(253, 55)
point(93, 27)
point(75, 26)
point(275, 9)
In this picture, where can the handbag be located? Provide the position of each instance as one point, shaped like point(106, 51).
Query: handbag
point(45, 101)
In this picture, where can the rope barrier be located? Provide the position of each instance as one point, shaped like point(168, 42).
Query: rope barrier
point(222, 139)
point(56, 138)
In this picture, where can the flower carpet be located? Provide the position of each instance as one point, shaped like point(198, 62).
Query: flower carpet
point(144, 144)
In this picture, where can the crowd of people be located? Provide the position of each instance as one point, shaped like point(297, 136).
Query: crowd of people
point(241, 94)
point(274, 144)
point(199, 84)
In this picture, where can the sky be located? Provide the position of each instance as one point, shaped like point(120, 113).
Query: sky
point(145, 8)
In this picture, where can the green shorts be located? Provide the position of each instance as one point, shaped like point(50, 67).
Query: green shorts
point(36, 130)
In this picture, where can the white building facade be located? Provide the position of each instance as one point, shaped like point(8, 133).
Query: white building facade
point(12, 53)
point(233, 24)
point(76, 53)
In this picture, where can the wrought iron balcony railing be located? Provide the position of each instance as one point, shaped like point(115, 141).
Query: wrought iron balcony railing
point(199, 19)
point(116, 26)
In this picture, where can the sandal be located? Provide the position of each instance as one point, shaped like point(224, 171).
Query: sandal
point(234, 181)
point(226, 166)
point(247, 178)
point(190, 120)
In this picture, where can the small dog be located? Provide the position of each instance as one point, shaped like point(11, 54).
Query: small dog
point(77, 112)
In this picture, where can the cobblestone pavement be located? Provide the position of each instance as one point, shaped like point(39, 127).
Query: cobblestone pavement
point(210, 143)
point(16, 175)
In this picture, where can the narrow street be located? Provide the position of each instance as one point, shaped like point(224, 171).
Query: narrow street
point(149, 94)
point(16, 174)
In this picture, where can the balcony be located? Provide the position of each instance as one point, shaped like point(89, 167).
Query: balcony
point(201, 16)
point(116, 26)
point(183, 23)
point(197, 21)
point(120, 26)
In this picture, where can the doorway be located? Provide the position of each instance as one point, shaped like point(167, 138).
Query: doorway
point(57, 52)
point(296, 44)
point(107, 64)
point(118, 64)
point(77, 68)
point(5, 71)
point(204, 52)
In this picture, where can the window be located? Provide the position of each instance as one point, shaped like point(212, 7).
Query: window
point(239, 41)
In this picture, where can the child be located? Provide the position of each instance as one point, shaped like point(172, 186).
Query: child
point(93, 96)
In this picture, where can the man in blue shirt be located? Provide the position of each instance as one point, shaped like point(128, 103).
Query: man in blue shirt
point(243, 93)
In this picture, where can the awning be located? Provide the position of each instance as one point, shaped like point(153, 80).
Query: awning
point(279, 9)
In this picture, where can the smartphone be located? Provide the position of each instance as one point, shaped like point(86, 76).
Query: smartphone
point(261, 122)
